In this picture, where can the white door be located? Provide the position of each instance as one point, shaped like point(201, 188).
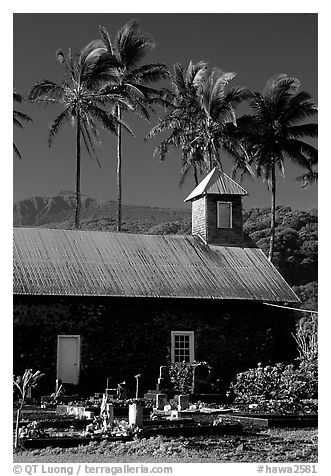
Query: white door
point(68, 358)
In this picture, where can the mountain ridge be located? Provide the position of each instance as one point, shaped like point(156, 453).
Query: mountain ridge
point(39, 211)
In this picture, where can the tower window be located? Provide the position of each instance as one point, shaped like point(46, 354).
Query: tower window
point(224, 214)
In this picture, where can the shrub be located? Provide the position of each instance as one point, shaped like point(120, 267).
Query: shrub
point(181, 375)
point(23, 384)
point(276, 382)
point(294, 381)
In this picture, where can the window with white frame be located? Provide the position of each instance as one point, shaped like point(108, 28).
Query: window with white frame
point(182, 346)
point(224, 214)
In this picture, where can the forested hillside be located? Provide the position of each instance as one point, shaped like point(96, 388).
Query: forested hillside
point(296, 247)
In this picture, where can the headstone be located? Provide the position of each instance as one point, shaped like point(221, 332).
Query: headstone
point(164, 382)
point(61, 409)
point(201, 379)
point(161, 400)
point(183, 402)
point(135, 415)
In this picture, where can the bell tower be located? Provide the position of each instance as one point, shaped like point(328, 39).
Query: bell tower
point(217, 210)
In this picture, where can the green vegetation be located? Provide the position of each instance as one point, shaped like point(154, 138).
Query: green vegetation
point(23, 385)
point(290, 383)
point(295, 246)
point(272, 133)
point(200, 118)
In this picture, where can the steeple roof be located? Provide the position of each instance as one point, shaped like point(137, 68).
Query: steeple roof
point(216, 182)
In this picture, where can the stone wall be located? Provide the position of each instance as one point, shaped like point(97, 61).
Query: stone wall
point(122, 337)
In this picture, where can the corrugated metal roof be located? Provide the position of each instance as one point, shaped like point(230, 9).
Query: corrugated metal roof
point(216, 182)
point(95, 263)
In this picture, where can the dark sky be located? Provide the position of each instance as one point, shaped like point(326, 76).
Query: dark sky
point(255, 46)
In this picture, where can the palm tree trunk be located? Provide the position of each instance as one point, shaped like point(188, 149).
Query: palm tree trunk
point(195, 173)
point(119, 171)
point(210, 161)
point(78, 199)
point(273, 211)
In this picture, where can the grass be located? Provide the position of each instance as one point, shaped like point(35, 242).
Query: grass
point(269, 446)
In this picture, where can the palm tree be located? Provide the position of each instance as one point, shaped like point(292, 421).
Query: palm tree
point(203, 118)
point(217, 130)
point(82, 103)
point(18, 117)
point(130, 79)
point(272, 133)
point(181, 118)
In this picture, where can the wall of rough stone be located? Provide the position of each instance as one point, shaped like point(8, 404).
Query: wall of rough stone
point(125, 336)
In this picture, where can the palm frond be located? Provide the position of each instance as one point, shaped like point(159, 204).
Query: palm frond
point(148, 73)
point(302, 130)
point(108, 121)
point(16, 151)
point(58, 123)
point(300, 152)
point(272, 82)
point(196, 72)
point(179, 78)
point(278, 88)
point(218, 80)
point(17, 96)
point(88, 142)
point(22, 116)
point(46, 90)
point(17, 122)
point(139, 107)
point(68, 63)
point(309, 178)
point(105, 36)
point(132, 45)
point(299, 107)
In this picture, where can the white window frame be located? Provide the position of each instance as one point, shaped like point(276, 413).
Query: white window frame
point(191, 343)
point(218, 215)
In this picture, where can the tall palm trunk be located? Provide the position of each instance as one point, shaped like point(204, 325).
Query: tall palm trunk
point(119, 171)
point(273, 211)
point(195, 173)
point(78, 199)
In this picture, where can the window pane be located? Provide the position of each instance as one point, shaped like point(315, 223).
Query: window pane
point(182, 346)
point(224, 210)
